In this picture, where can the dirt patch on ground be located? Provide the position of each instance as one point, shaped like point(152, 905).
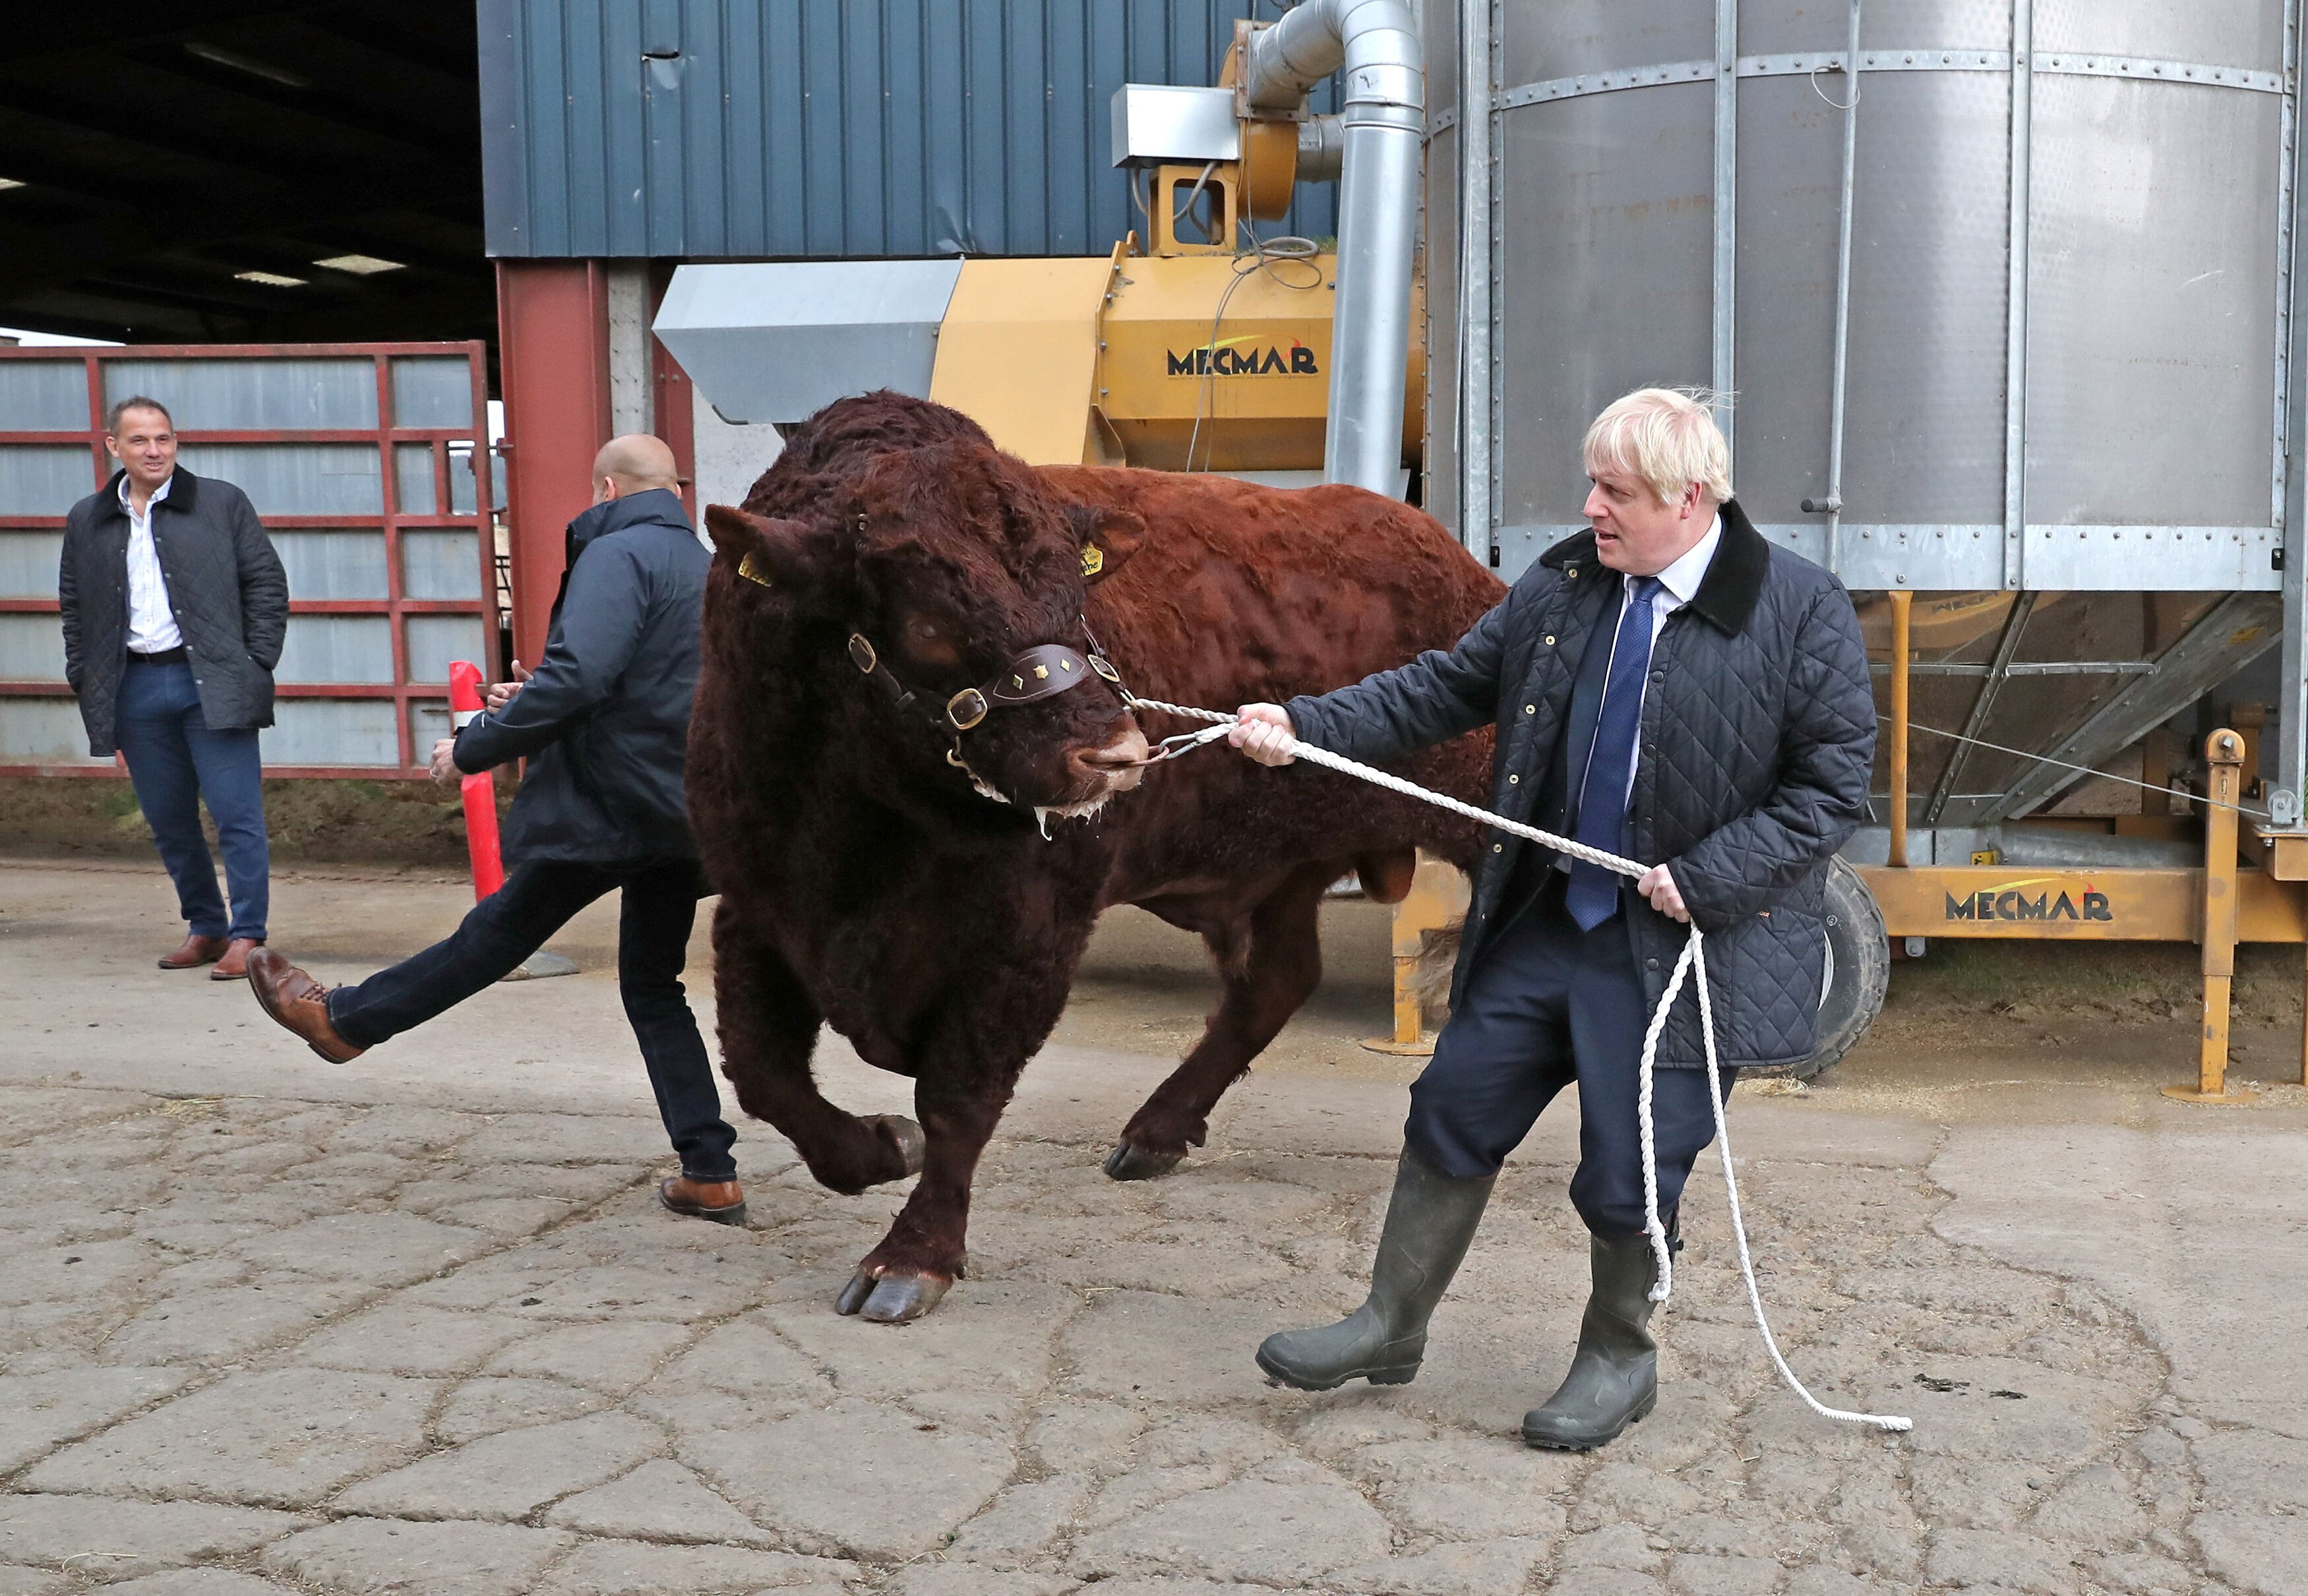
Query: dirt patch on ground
point(2028, 1031)
point(314, 822)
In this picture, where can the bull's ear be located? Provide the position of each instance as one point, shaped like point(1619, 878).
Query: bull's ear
point(1108, 537)
point(775, 552)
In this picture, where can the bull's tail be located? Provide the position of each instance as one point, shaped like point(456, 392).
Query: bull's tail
point(1438, 956)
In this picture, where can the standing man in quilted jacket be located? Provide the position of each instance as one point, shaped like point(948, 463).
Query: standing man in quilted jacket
point(1668, 687)
point(174, 608)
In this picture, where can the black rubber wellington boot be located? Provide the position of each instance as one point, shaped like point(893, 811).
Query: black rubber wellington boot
point(1614, 1378)
point(1429, 1222)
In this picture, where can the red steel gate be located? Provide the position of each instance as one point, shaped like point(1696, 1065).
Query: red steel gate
point(369, 464)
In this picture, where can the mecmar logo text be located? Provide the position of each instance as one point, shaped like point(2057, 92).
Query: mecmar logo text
point(1243, 358)
point(2037, 898)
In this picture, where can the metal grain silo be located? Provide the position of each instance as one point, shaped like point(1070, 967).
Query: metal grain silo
point(2001, 287)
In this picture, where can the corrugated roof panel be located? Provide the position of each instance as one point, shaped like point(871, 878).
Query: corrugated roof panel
point(741, 129)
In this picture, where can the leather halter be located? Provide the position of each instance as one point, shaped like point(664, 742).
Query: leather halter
point(1039, 672)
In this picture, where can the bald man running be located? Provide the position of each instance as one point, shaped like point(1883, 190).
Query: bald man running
point(604, 722)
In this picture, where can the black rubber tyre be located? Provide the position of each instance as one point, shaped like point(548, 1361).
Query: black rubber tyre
point(1859, 968)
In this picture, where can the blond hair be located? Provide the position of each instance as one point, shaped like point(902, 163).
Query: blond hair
point(1667, 437)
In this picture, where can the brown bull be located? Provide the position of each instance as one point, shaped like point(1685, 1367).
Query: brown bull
point(886, 871)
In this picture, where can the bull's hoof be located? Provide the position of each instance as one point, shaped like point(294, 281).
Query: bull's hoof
point(891, 1300)
point(912, 1146)
point(1129, 1162)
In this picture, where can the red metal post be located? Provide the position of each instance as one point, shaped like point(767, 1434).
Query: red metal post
point(480, 791)
point(552, 336)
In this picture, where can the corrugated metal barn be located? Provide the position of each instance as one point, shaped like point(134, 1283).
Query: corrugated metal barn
point(621, 138)
point(704, 129)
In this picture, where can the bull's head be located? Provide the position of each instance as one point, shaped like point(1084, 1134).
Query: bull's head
point(951, 563)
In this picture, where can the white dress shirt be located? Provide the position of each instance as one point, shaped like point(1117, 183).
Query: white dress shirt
point(151, 622)
point(1678, 583)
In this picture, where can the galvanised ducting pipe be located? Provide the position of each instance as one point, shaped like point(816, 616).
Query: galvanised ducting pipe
point(1384, 121)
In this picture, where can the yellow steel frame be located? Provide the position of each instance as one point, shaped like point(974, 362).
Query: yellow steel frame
point(1437, 898)
point(2214, 907)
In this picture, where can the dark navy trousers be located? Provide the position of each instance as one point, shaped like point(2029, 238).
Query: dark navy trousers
point(658, 906)
point(173, 762)
point(1547, 1005)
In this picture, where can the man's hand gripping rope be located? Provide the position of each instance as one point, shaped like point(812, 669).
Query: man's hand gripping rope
point(1264, 733)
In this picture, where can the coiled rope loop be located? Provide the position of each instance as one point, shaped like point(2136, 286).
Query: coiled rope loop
point(1694, 960)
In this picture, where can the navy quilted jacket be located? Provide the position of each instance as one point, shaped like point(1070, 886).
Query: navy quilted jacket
point(1758, 736)
point(604, 722)
point(225, 583)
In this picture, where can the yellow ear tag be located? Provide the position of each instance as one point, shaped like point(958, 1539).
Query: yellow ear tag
point(1093, 559)
point(750, 571)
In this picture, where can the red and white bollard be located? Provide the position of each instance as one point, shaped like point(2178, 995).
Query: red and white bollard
point(480, 791)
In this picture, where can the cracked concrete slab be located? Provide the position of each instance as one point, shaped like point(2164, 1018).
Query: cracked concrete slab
point(510, 1474)
point(102, 1535)
point(37, 1411)
point(415, 1324)
point(377, 1556)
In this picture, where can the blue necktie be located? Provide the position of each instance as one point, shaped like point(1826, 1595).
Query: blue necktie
point(1593, 896)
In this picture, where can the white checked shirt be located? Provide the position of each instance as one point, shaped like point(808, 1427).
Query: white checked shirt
point(151, 622)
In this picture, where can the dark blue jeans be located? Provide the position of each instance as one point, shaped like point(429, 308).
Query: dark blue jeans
point(173, 762)
point(659, 907)
point(1549, 1005)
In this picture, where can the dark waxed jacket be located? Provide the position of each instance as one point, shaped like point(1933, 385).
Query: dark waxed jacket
point(226, 588)
point(605, 721)
point(1758, 736)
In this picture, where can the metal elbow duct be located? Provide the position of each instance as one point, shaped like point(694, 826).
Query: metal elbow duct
point(1322, 148)
point(1383, 120)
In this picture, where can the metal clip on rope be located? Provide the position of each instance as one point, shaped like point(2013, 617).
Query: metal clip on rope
point(1693, 958)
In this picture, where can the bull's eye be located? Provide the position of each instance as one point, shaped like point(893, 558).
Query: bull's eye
point(931, 642)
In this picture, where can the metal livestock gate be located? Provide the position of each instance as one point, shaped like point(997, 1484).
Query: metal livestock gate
point(369, 466)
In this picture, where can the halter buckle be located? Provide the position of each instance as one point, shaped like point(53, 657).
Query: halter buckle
point(861, 655)
point(965, 708)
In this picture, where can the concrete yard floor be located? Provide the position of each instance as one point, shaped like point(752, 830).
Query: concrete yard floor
point(415, 1324)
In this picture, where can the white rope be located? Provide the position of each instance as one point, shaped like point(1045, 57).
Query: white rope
point(1694, 957)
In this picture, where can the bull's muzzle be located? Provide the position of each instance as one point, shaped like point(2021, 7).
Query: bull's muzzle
point(1119, 764)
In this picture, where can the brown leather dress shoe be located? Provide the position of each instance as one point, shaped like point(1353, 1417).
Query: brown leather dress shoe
point(720, 1201)
point(298, 1002)
point(234, 965)
point(196, 952)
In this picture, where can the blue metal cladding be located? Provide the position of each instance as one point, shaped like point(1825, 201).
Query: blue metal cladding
point(749, 129)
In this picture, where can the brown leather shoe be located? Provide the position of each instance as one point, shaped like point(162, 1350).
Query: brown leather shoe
point(234, 965)
point(298, 1002)
point(196, 952)
point(720, 1201)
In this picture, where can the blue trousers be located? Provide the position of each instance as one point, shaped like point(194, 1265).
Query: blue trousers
point(1548, 1005)
point(174, 761)
point(656, 909)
